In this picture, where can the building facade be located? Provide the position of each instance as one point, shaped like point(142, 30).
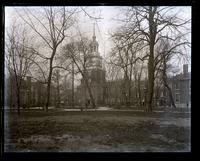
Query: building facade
point(116, 94)
point(181, 88)
point(95, 77)
point(32, 93)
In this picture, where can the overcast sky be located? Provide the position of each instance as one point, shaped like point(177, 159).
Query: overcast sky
point(103, 26)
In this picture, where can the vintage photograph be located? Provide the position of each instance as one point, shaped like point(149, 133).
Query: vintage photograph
point(97, 79)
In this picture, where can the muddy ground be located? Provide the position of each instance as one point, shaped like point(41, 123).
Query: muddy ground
point(97, 131)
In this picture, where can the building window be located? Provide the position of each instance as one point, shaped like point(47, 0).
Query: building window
point(177, 97)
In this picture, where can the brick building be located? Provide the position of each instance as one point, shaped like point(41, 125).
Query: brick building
point(32, 93)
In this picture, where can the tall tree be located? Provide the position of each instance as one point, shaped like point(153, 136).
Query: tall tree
point(125, 55)
point(51, 26)
point(151, 24)
point(166, 51)
point(18, 58)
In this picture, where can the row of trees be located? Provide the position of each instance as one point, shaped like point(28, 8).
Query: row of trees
point(149, 35)
point(43, 42)
point(49, 27)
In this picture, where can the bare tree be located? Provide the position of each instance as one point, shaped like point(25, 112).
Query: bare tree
point(125, 55)
point(53, 25)
point(79, 53)
point(167, 50)
point(151, 24)
point(18, 58)
point(113, 85)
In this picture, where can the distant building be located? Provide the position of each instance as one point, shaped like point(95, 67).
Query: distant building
point(115, 93)
point(32, 93)
point(11, 89)
point(181, 88)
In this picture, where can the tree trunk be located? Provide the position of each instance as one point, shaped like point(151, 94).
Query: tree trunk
point(49, 81)
point(18, 91)
point(139, 86)
point(72, 84)
point(129, 94)
point(170, 93)
point(150, 80)
point(152, 35)
point(126, 85)
point(48, 90)
point(90, 94)
point(139, 93)
point(164, 77)
point(18, 101)
point(58, 91)
point(130, 85)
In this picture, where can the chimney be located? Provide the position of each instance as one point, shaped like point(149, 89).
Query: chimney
point(185, 70)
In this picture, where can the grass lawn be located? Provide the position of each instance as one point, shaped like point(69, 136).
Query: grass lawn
point(97, 131)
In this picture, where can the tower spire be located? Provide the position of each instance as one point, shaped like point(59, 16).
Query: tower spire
point(94, 36)
point(94, 29)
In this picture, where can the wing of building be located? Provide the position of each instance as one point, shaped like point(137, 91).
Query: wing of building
point(181, 88)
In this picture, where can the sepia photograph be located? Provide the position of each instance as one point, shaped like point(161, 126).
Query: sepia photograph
point(97, 78)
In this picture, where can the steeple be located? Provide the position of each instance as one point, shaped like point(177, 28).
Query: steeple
point(94, 37)
point(94, 43)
